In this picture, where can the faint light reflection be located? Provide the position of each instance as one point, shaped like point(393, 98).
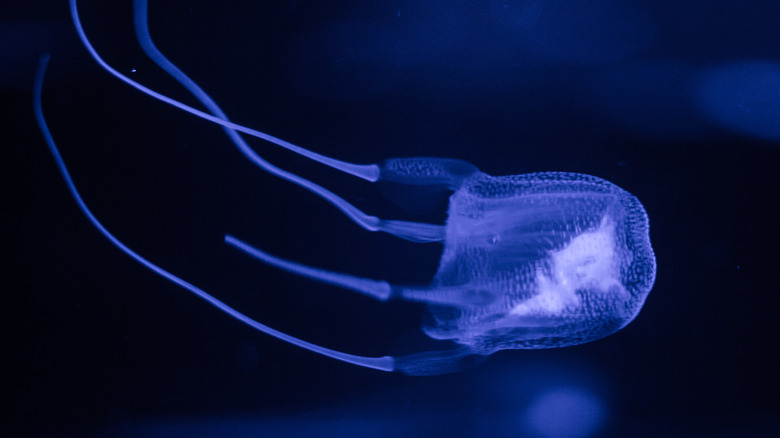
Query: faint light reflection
point(743, 97)
point(562, 396)
point(567, 412)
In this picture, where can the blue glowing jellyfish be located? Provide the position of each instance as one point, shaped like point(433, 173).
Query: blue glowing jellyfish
point(542, 260)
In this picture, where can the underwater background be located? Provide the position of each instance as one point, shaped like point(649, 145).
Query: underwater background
point(677, 102)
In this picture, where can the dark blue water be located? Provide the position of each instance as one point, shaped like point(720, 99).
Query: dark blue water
point(677, 103)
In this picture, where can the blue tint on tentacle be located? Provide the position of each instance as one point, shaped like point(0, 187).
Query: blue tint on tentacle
point(380, 363)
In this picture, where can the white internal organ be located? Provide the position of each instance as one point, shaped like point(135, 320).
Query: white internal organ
point(588, 262)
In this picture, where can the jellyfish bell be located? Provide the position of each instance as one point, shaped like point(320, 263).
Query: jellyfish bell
point(566, 258)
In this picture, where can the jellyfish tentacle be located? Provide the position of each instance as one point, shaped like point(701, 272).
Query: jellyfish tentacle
point(459, 296)
point(140, 19)
point(368, 172)
point(385, 363)
point(436, 362)
point(416, 232)
point(378, 289)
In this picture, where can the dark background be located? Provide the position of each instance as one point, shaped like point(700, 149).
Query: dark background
point(653, 96)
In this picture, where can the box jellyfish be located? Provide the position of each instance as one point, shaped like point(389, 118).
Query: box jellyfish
point(541, 260)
